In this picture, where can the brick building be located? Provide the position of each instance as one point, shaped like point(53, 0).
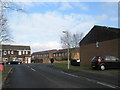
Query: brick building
point(58, 55)
point(11, 52)
point(63, 53)
point(42, 56)
point(101, 40)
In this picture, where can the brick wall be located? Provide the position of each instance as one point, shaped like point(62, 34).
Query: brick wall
point(110, 47)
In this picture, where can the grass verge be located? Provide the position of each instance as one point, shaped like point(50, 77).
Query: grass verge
point(5, 72)
point(65, 66)
point(109, 72)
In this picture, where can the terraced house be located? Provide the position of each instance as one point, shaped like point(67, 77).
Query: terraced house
point(42, 56)
point(60, 55)
point(11, 52)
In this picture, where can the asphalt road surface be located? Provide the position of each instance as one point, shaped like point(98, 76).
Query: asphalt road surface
point(43, 76)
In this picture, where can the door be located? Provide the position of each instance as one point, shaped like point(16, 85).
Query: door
point(114, 61)
point(108, 62)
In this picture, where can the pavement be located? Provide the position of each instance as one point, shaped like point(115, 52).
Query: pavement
point(48, 76)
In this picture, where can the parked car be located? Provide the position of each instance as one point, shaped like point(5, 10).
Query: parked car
point(75, 62)
point(14, 62)
point(105, 62)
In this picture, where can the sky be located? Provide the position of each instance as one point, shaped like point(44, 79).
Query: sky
point(42, 23)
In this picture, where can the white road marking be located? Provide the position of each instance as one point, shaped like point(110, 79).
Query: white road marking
point(91, 80)
point(33, 69)
point(70, 74)
point(108, 85)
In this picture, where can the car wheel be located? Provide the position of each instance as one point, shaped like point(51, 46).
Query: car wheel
point(102, 67)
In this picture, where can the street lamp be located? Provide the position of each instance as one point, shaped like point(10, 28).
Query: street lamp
point(0, 51)
point(66, 32)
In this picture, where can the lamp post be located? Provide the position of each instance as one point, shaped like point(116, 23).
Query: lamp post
point(0, 51)
point(66, 32)
point(1, 15)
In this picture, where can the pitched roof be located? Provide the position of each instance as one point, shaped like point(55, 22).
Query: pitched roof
point(44, 52)
point(99, 34)
point(15, 47)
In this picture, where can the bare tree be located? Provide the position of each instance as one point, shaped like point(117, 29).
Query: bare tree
point(69, 40)
point(66, 39)
point(5, 35)
point(76, 38)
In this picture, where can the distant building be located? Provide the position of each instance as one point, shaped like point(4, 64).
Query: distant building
point(42, 56)
point(63, 53)
point(101, 40)
point(58, 55)
point(11, 52)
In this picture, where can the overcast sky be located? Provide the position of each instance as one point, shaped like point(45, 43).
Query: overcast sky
point(42, 24)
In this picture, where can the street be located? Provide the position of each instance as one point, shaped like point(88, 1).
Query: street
point(43, 76)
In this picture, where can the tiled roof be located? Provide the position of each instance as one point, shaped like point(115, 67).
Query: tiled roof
point(44, 52)
point(15, 47)
point(99, 34)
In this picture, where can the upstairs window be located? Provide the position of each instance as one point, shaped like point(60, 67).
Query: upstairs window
point(8, 52)
point(20, 53)
point(5, 52)
point(12, 52)
point(23, 52)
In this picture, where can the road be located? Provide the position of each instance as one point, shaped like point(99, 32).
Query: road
point(43, 76)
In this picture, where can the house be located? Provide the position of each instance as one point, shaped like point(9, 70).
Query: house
point(101, 40)
point(60, 55)
point(42, 56)
point(11, 52)
point(63, 53)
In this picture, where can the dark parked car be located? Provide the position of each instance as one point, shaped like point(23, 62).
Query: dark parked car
point(75, 62)
point(14, 62)
point(105, 62)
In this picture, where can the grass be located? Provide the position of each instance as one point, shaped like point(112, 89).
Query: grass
point(65, 66)
point(5, 72)
point(109, 72)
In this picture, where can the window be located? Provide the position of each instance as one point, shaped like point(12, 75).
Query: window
point(26, 52)
point(107, 58)
point(113, 58)
point(20, 53)
point(54, 55)
point(8, 52)
point(5, 52)
point(59, 54)
point(97, 44)
point(12, 52)
point(33, 57)
point(23, 52)
point(62, 54)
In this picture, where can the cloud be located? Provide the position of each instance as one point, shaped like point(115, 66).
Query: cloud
point(82, 6)
point(102, 17)
point(71, 6)
point(43, 46)
point(65, 6)
point(43, 30)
